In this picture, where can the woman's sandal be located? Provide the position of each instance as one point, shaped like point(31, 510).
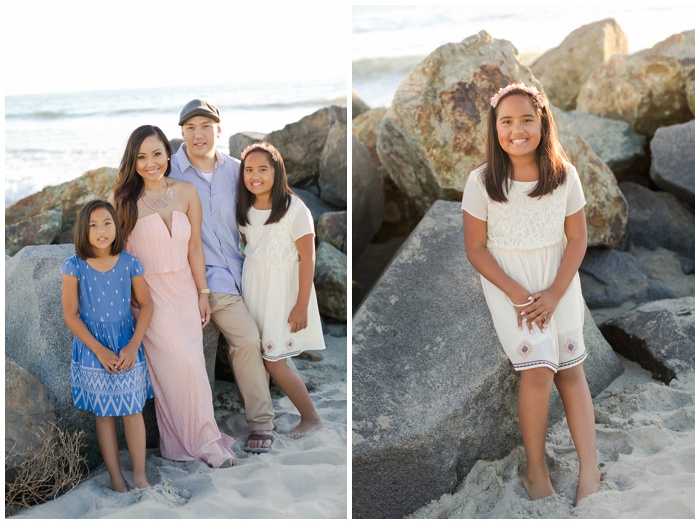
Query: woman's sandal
point(263, 438)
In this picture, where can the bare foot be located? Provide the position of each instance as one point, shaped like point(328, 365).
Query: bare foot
point(588, 483)
point(538, 488)
point(305, 427)
point(140, 482)
point(120, 485)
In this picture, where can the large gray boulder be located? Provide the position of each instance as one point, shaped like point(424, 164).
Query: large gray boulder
point(659, 335)
point(28, 412)
point(566, 67)
point(673, 160)
point(659, 219)
point(646, 89)
point(38, 340)
point(367, 198)
point(331, 282)
point(333, 166)
point(614, 141)
point(433, 391)
point(301, 143)
point(609, 278)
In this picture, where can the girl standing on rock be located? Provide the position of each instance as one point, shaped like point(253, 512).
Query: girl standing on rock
point(525, 233)
point(109, 375)
point(278, 272)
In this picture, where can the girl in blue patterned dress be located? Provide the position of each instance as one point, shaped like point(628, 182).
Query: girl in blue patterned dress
point(109, 375)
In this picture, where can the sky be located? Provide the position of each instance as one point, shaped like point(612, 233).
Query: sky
point(84, 46)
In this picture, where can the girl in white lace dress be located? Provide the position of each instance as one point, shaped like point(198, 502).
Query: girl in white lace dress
point(525, 233)
point(278, 271)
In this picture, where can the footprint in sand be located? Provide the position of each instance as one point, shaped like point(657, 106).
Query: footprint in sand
point(164, 493)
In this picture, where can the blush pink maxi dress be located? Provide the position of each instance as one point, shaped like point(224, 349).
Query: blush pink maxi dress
point(173, 343)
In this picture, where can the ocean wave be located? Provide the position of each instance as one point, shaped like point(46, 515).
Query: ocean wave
point(372, 68)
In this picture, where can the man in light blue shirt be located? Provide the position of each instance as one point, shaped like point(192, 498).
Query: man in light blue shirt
point(215, 175)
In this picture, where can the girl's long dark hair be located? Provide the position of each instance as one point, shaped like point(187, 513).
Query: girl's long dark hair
point(281, 193)
point(81, 231)
point(551, 158)
point(129, 185)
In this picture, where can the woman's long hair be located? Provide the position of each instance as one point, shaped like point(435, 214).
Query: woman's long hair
point(551, 158)
point(129, 186)
point(281, 193)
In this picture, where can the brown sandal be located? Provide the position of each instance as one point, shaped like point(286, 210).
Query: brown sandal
point(263, 438)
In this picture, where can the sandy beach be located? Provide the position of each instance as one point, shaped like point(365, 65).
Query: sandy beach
point(646, 450)
point(304, 478)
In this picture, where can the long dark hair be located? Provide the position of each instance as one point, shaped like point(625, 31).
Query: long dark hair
point(551, 158)
point(81, 231)
point(129, 185)
point(281, 193)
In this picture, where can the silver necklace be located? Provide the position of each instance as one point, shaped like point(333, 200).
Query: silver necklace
point(160, 203)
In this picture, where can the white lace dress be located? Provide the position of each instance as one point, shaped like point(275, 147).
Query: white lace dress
point(271, 281)
point(526, 238)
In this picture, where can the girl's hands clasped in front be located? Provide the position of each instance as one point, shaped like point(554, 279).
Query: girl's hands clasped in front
point(127, 357)
point(109, 360)
point(539, 313)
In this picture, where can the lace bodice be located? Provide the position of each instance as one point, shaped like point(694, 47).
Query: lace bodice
point(523, 222)
point(276, 243)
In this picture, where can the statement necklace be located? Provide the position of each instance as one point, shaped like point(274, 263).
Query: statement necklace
point(160, 203)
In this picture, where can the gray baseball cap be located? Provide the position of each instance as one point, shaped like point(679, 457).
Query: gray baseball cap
point(198, 107)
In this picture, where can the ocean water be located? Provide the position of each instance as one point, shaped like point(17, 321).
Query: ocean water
point(56, 137)
point(388, 41)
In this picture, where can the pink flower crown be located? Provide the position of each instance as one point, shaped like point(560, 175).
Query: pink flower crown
point(262, 145)
point(532, 91)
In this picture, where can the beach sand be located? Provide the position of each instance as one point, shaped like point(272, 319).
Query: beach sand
point(304, 478)
point(645, 434)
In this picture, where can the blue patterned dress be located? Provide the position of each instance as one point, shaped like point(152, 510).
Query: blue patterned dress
point(104, 302)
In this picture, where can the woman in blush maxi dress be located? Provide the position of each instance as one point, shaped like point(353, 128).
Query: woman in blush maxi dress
point(173, 343)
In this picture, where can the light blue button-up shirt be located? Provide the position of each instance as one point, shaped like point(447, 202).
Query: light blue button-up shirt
point(219, 230)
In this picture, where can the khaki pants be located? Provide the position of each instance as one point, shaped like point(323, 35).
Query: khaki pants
point(231, 316)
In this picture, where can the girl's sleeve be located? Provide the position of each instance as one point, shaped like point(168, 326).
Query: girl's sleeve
point(303, 223)
point(474, 199)
point(70, 267)
point(135, 267)
point(575, 199)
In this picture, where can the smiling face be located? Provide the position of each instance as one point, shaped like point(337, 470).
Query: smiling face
point(259, 175)
point(101, 230)
point(200, 134)
point(518, 127)
point(152, 159)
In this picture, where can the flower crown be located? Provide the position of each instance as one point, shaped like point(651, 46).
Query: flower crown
point(532, 91)
point(262, 145)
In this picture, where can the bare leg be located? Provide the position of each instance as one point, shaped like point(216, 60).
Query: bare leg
point(107, 440)
point(533, 410)
point(294, 387)
point(578, 407)
point(135, 433)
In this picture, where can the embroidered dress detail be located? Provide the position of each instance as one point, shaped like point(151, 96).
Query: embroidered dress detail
point(269, 347)
point(290, 344)
point(570, 346)
point(524, 349)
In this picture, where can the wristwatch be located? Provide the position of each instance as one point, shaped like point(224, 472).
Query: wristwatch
point(204, 291)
